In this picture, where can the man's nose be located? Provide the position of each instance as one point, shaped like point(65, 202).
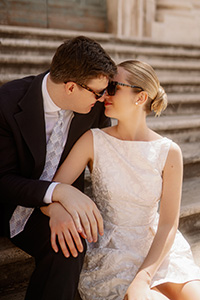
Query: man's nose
point(102, 99)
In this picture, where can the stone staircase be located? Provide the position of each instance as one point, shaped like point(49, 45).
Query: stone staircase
point(25, 51)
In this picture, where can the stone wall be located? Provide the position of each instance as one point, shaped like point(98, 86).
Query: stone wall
point(173, 21)
point(83, 15)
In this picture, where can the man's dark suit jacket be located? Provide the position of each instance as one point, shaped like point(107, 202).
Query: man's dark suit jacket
point(23, 144)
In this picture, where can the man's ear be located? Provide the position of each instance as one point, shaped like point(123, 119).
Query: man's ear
point(69, 87)
point(142, 97)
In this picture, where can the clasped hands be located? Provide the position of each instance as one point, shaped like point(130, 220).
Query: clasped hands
point(72, 214)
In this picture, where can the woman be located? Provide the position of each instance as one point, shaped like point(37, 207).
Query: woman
point(141, 254)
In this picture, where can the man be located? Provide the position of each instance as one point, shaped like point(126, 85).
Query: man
point(67, 99)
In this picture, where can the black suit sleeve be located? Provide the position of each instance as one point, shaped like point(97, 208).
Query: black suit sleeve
point(17, 183)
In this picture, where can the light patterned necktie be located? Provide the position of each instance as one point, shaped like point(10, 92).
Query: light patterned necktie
point(53, 154)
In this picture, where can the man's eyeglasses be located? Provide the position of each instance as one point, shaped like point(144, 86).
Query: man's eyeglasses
point(112, 87)
point(97, 95)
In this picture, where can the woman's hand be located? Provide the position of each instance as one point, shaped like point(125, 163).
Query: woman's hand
point(139, 289)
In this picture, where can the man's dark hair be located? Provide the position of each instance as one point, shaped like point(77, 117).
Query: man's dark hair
point(81, 59)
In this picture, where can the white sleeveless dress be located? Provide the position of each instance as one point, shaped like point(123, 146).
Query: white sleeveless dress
point(127, 184)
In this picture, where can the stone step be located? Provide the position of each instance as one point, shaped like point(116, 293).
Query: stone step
point(191, 152)
point(159, 65)
point(112, 43)
point(183, 104)
point(27, 57)
point(183, 98)
point(181, 129)
point(190, 204)
point(28, 46)
point(47, 48)
point(16, 292)
point(26, 51)
point(15, 267)
point(141, 48)
point(49, 34)
point(191, 159)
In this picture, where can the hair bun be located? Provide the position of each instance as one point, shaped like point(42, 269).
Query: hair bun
point(159, 103)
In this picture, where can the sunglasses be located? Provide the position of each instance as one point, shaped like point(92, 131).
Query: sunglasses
point(97, 95)
point(112, 87)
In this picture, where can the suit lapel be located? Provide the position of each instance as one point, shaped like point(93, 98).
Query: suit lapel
point(31, 121)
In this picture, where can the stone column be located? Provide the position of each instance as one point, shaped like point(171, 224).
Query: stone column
point(149, 17)
point(173, 21)
point(113, 16)
point(176, 21)
point(125, 17)
point(175, 7)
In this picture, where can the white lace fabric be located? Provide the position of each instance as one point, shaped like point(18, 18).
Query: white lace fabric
point(127, 184)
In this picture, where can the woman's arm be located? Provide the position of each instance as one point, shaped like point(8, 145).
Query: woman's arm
point(168, 221)
point(79, 157)
point(82, 209)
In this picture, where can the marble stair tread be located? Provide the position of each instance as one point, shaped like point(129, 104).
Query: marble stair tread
point(178, 78)
point(9, 253)
point(190, 203)
point(43, 46)
point(17, 292)
point(49, 33)
point(25, 59)
point(175, 64)
point(177, 122)
point(183, 98)
point(191, 152)
point(26, 46)
point(19, 36)
point(29, 43)
point(57, 33)
point(157, 64)
point(143, 49)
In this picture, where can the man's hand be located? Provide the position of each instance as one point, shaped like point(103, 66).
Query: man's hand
point(63, 229)
point(82, 209)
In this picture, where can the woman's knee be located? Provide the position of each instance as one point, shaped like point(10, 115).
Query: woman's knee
point(190, 290)
point(181, 291)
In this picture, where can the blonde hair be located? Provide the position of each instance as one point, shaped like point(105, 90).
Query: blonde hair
point(143, 75)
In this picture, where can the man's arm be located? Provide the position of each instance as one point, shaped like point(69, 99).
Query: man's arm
point(16, 188)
